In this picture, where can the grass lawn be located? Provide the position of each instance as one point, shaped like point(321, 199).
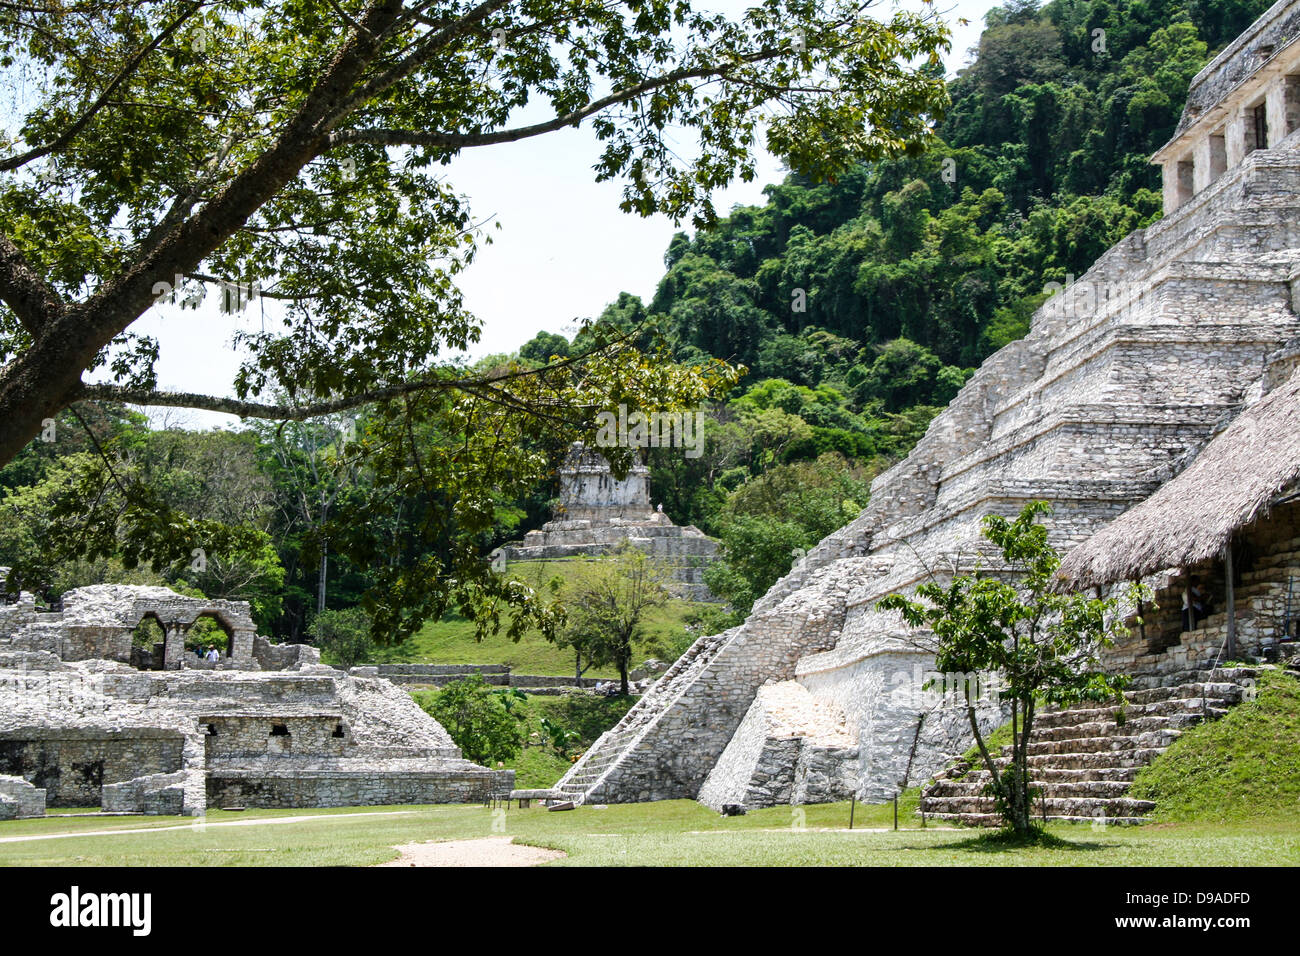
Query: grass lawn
point(451, 640)
point(1244, 766)
point(670, 833)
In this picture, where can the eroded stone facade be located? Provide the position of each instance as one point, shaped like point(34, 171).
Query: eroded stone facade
point(598, 512)
point(269, 726)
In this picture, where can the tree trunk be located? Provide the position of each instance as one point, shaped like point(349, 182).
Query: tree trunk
point(1019, 807)
point(46, 377)
point(320, 580)
point(38, 385)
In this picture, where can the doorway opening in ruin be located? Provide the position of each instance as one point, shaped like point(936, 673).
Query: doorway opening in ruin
point(210, 630)
point(1260, 117)
point(147, 641)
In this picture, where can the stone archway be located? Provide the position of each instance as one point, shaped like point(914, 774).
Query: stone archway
point(223, 625)
point(155, 659)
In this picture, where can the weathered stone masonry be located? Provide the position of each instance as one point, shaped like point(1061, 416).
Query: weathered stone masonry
point(268, 727)
point(598, 512)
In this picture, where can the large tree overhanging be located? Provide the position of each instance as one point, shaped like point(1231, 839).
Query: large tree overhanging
point(253, 141)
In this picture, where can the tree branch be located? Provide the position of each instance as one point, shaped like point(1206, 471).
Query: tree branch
point(426, 47)
point(81, 122)
point(30, 298)
point(180, 250)
point(277, 412)
point(476, 385)
point(390, 137)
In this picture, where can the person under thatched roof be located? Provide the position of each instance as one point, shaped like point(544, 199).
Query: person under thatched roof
point(1236, 478)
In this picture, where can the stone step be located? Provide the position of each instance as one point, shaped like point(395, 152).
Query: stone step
point(993, 820)
point(1083, 761)
point(1171, 707)
point(1152, 672)
point(1055, 775)
point(1105, 728)
point(1088, 807)
point(587, 772)
point(1151, 740)
point(973, 786)
point(1216, 690)
point(1139, 757)
point(1050, 774)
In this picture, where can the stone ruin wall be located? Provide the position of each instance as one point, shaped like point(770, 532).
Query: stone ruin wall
point(268, 727)
point(18, 799)
point(663, 761)
point(597, 513)
point(97, 623)
point(72, 764)
point(590, 492)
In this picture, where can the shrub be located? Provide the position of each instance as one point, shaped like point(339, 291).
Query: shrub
point(476, 720)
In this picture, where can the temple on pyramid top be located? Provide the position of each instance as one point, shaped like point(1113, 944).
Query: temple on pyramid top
point(1246, 98)
point(597, 512)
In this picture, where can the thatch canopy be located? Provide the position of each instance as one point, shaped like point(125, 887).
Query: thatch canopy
point(1190, 518)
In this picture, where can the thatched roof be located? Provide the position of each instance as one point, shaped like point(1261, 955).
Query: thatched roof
point(1190, 518)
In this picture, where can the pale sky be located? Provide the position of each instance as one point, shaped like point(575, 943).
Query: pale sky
point(563, 253)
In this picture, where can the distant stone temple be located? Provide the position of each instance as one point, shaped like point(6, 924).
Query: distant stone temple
point(597, 512)
point(89, 719)
point(1123, 382)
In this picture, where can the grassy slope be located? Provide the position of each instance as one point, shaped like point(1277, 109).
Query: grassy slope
point(451, 640)
point(670, 833)
point(1243, 767)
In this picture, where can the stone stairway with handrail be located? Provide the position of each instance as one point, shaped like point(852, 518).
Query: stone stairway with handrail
point(582, 777)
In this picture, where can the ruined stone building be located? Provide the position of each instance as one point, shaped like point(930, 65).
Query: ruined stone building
point(1123, 377)
point(266, 726)
point(597, 512)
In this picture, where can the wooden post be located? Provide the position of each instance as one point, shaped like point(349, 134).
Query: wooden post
point(853, 805)
point(1232, 602)
point(895, 811)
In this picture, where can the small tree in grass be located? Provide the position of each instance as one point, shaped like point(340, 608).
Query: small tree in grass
point(1043, 646)
point(606, 611)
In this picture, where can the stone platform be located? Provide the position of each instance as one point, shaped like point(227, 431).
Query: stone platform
point(598, 512)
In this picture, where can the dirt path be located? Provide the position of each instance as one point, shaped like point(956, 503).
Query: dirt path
point(488, 851)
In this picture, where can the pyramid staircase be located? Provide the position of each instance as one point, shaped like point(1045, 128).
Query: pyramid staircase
point(1083, 759)
point(583, 777)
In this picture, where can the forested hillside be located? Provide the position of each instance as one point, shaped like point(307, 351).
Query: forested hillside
point(861, 306)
